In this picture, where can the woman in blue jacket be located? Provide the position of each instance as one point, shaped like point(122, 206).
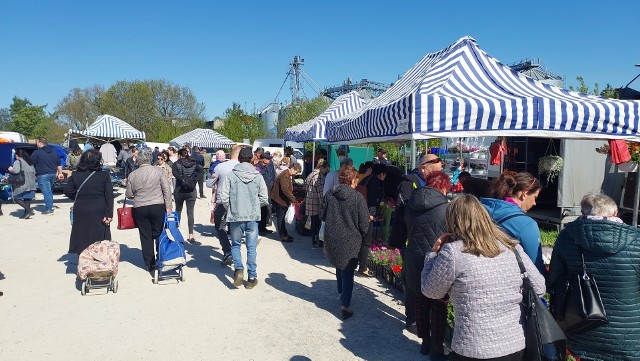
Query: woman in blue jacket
point(513, 194)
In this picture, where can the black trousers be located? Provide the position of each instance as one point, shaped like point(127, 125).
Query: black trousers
point(24, 203)
point(149, 220)
point(190, 199)
point(200, 187)
point(281, 211)
point(363, 256)
point(264, 217)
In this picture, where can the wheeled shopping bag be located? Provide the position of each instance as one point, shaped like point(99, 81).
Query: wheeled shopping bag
point(98, 266)
point(171, 255)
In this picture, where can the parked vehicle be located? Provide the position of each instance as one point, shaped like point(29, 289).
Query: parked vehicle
point(7, 157)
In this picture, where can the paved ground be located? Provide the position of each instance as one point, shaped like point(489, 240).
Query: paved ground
point(293, 313)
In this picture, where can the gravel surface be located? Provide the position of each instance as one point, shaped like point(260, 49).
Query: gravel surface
point(292, 314)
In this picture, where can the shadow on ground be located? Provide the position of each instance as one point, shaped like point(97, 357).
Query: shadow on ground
point(372, 319)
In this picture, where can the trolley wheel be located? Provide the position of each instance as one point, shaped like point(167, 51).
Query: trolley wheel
point(114, 287)
point(83, 288)
point(181, 274)
point(155, 275)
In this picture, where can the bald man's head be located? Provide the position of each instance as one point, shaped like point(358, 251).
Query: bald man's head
point(429, 163)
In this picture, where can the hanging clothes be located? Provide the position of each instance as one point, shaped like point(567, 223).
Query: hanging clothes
point(496, 151)
point(619, 151)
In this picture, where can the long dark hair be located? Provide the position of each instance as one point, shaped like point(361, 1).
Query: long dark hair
point(183, 153)
point(509, 184)
point(90, 160)
point(24, 156)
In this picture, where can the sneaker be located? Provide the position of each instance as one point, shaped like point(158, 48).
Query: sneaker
point(48, 212)
point(238, 277)
point(251, 283)
point(227, 259)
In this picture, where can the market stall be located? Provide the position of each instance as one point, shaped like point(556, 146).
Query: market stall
point(107, 128)
point(203, 138)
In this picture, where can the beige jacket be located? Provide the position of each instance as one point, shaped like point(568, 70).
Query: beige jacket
point(148, 185)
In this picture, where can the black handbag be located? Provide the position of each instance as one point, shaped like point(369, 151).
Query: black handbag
point(576, 303)
point(16, 180)
point(544, 340)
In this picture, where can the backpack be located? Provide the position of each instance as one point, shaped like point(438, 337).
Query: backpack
point(189, 183)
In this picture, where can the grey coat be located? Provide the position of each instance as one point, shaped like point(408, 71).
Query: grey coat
point(243, 193)
point(29, 176)
point(346, 217)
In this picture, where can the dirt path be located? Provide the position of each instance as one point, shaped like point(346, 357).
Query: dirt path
point(293, 313)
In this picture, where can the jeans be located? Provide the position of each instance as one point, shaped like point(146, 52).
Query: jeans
point(45, 182)
point(190, 199)
point(517, 356)
point(345, 282)
point(250, 229)
point(149, 220)
point(218, 216)
point(281, 211)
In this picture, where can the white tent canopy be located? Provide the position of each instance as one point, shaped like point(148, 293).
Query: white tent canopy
point(204, 138)
point(108, 128)
point(462, 91)
point(315, 129)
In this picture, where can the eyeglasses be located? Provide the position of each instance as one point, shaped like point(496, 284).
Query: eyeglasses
point(432, 161)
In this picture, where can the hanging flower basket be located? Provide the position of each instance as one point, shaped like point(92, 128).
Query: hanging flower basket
point(549, 167)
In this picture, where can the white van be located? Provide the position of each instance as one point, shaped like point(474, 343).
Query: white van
point(16, 137)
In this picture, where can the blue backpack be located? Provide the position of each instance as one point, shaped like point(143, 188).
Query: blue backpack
point(171, 244)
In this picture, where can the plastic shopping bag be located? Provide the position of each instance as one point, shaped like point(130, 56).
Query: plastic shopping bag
point(290, 219)
point(321, 232)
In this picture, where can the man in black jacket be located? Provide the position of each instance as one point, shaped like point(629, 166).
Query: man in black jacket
point(268, 172)
point(374, 193)
point(48, 167)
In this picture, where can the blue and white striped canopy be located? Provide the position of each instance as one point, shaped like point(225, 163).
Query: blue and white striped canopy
point(462, 91)
point(110, 127)
point(315, 129)
point(204, 138)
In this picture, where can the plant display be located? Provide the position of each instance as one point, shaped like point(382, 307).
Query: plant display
point(549, 167)
point(480, 166)
point(383, 256)
point(634, 149)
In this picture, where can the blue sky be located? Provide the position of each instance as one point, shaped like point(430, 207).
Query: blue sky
point(239, 51)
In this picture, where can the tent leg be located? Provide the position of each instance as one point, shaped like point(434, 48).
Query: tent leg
point(636, 201)
point(413, 154)
point(313, 159)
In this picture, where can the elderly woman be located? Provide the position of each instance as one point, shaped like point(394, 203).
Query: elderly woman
point(426, 222)
point(151, 193)
point(475, 264)
point(282, 197)
point(92, 192)
point(313, 198)
point(346, 217)
point(611, 252)
point(24, 194)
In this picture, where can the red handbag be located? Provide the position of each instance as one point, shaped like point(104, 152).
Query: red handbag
point(125, 217)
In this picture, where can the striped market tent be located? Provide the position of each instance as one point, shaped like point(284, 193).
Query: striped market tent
point(108, 127)
point(463, 91)
point(203, 138)
point(314, 129)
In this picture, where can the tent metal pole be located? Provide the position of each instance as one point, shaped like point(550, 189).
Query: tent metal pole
point(413, 154)
point(313, 159)
point(636, 201)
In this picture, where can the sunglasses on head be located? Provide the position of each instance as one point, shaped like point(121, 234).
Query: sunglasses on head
point(432, 161)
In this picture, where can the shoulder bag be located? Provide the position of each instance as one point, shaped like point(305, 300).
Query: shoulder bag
point(544, 340)
point(17, 180)
point(74, 201)
point(576, 303)
point(125, 217)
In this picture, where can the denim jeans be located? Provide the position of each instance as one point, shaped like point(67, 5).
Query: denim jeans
point(45, 182)
point(250, 229)
point(345, 282)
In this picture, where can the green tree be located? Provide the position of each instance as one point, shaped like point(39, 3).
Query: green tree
point(295, 114)
point(239, 125)
point(610, 92)
point(175, 102)
point(132, 102)
point(79, 107)
point(5, 119)
point(50, 129)
point(27, 119)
